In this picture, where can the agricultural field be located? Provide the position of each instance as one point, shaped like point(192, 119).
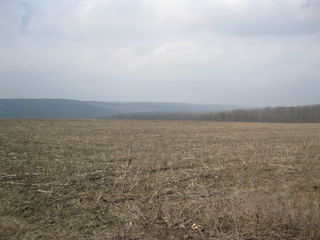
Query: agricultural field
point(118, 179)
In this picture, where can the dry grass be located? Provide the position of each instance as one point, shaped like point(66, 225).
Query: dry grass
point(65, 179)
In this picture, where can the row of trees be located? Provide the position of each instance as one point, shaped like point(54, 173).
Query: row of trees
point(278, 114)
point(306, 114)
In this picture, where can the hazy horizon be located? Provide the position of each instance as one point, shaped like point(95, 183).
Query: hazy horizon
point(93, 100)
point(252, 106)
point(237, 52)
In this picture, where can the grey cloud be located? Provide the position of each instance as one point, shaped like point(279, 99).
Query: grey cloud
point(261, 18)
point(261, 52)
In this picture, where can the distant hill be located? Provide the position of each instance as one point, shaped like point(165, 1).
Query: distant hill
point(63, 108)
point(51, 108)
point(73, 109)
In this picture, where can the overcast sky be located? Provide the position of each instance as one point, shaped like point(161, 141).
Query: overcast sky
point(246, 52)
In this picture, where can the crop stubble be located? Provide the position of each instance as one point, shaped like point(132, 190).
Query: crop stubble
point(116, 179)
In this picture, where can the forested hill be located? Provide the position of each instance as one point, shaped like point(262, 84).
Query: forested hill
point(301, 114)
point(51, 108)
point(62, 108)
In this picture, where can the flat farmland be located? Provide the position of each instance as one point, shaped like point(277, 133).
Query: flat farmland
point(117, 179)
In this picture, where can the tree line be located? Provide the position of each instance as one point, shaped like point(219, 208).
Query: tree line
point(302, 114)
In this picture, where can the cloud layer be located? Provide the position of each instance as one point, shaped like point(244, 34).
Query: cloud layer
point(247, 52)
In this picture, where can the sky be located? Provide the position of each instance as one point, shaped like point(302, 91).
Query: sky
point(244, 52)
